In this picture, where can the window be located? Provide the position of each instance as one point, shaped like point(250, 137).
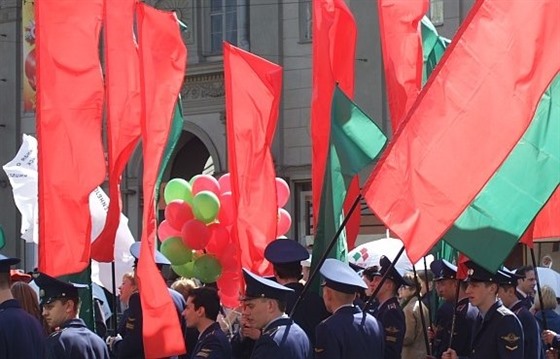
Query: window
point(227, 21)
point(305, 21)
point(436, 12)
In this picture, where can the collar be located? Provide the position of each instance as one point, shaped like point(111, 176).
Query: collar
point(75, 323)
point(388, 301)
point(343, 306)
point(10, 303)
point(211, 328)
point(283, 316)
point(522, 293)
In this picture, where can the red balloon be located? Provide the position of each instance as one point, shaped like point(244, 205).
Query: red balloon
point(165, 231)
point(225, 183)
point(229, 285)
point(219, 239)
point(195, 234)
point(226, 209)
point(282, 192)
point(177, 213)
point(205, 183)
point(284, 222)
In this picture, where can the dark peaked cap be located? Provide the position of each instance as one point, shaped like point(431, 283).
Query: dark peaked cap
point(52, 289)
point(282, 251)
point(478, 274)
point(7, 262)
point(259, 287)
point(393, 274)
point(340, 277)
point(442, 269)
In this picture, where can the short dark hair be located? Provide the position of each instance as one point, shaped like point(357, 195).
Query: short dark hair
point(522, 271)
point(208, 298)
point(288, 270)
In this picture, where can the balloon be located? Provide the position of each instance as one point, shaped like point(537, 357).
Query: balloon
point(229, 284)
point(206, 206)
point(207, 268)
point(282, 192)
point(225, 216)
point(284, 222)
point(219, 238)
point(184, 270)
point(195, 234)
point(178, 188)
point(165, 231)
point(177, 213)
point(225, 183)
point(193, 178)
point(205, 183)
point(174, 250)
point(229, 258)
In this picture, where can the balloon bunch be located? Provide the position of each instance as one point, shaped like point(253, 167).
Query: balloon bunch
point(195, 235)
point(284, 218)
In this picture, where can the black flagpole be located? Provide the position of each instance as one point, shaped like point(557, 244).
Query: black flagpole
point(383, 279)
point(326, 254)
point(539, 288)
point(421, 306)
point(454, 320)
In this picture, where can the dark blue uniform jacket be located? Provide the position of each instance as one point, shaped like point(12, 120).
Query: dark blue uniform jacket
point(391, 317)
point(465, 321)
point(212, 344)
point(21, 335)
point(282, 339)
point(75, 341)
point(349, 333)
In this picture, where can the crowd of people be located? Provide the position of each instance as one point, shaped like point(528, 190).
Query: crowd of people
point(374, 312)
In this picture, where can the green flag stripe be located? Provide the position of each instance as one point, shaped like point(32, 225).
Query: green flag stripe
point(492, 224)
point(355, 142)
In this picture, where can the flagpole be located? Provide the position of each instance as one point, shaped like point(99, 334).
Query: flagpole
point(428, 294)
point(114, 301)
point(454, 318)
point(538, 288)
point(326, 253)
point(421, 305)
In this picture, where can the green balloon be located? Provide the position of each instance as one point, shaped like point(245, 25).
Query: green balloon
point(178, 188)
point(185, 270)
point(207, 268)
point(175, 250)
point(206, 206)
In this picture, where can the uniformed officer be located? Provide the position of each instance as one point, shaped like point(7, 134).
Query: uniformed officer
point(389, 312)
point(21, 335)
point(201, 312)
point(533, 345)
point(61, 306)
point(498, 333)
point(131, 345)
point(264, 305)
point(286, 256)
point(445, 277)
point(348, 332)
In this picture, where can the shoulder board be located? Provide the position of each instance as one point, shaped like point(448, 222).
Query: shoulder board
point(270, 332)
point(392, 306)
point(58, 332)
point(503, 311)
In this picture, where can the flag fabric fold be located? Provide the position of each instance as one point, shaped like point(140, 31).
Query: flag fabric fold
point(162, 68)
point(334, 53)
point(401, 47)
point(491, 225)
point(69, 117)
point(253, 91)
point(355, 142)
point(433, 47)
point(463, 127)
point(123, 112)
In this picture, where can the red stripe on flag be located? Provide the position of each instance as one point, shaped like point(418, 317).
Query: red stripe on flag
point(401, 44)
point(163, 59)
point(69, 110)
point(253, 90)
point(474, 109)
point(123, 112)
point(334, 53)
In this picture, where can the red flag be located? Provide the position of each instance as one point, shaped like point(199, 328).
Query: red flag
point(547, 223)
point(462, 127)
point(69, 109)
point(401, 44)
point(253, 89)
point(123, 112)
point(163, 59)
point(334, 55)
point(462, 270)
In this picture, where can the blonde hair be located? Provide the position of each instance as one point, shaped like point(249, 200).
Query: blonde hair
point(184, 286)
point(130, 276)
point(548, 298)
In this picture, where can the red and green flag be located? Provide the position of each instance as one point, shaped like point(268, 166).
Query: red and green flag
point(355, 142)
point(473, 112)
point(163, 59)
point(334, 57)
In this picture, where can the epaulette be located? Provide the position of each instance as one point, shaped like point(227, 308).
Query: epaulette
point(57, 332)
point(392, 306)
point(270, 332)
point(503, 311)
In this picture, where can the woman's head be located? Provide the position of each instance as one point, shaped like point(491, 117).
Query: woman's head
point(27, 298)
point(127, 287)
point(184, 286)
point(548, 298)
point(411, 288)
